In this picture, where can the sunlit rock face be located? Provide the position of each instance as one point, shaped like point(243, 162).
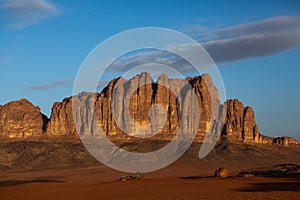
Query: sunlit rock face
point(240, 123)
point(141, 93)
point(61, 120)
point(138, 95)
point(154, 107)
point(21, 119)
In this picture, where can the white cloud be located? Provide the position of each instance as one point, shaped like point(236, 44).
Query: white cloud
point(22, 13)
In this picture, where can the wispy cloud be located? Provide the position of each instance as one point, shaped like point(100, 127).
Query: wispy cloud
point(87, 84)
point(54, 84)
point(266, 37)
point(22, 13)
point(150, 59)
point(196, 30)
point(267, 26)
point(249, 40)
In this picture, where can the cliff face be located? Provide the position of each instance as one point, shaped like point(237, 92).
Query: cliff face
point(22, 119)
point(240, 123)
point(139, 100)
point(61, 120)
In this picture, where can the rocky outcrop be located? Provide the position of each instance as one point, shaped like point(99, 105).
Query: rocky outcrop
point(21, 119)
point(140, 94)
point(285, 141)
point(61, 121)
point(222, 173)
point(266, 139)
point(240, 123)
point(234, 120)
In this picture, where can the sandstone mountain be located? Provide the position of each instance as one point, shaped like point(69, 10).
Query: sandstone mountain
point(22, 119)
point(140, 101)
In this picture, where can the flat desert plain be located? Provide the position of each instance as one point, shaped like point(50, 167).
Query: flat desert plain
point(187, 178)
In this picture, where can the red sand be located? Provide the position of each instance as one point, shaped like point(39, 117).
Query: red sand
point(172, 182)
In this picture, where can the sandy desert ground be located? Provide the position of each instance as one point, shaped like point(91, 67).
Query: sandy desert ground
point(187, 178)
point(101, 182)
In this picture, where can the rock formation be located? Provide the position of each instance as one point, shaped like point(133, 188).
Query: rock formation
point(21, 119)
point(285, 141)
point(240, 123)
point(61, 120)
point(222, 173)
point(141, 93)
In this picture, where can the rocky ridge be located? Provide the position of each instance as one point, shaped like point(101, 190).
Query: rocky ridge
point(22, 119)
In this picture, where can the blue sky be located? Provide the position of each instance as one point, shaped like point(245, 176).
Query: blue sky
point(254, 43)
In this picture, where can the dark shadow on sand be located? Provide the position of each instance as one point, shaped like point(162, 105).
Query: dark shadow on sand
point(290, 182)
point(20, 182)
point(272, 186)
point(195, 177)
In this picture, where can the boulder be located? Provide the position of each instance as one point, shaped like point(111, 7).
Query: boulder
point(222, 172)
